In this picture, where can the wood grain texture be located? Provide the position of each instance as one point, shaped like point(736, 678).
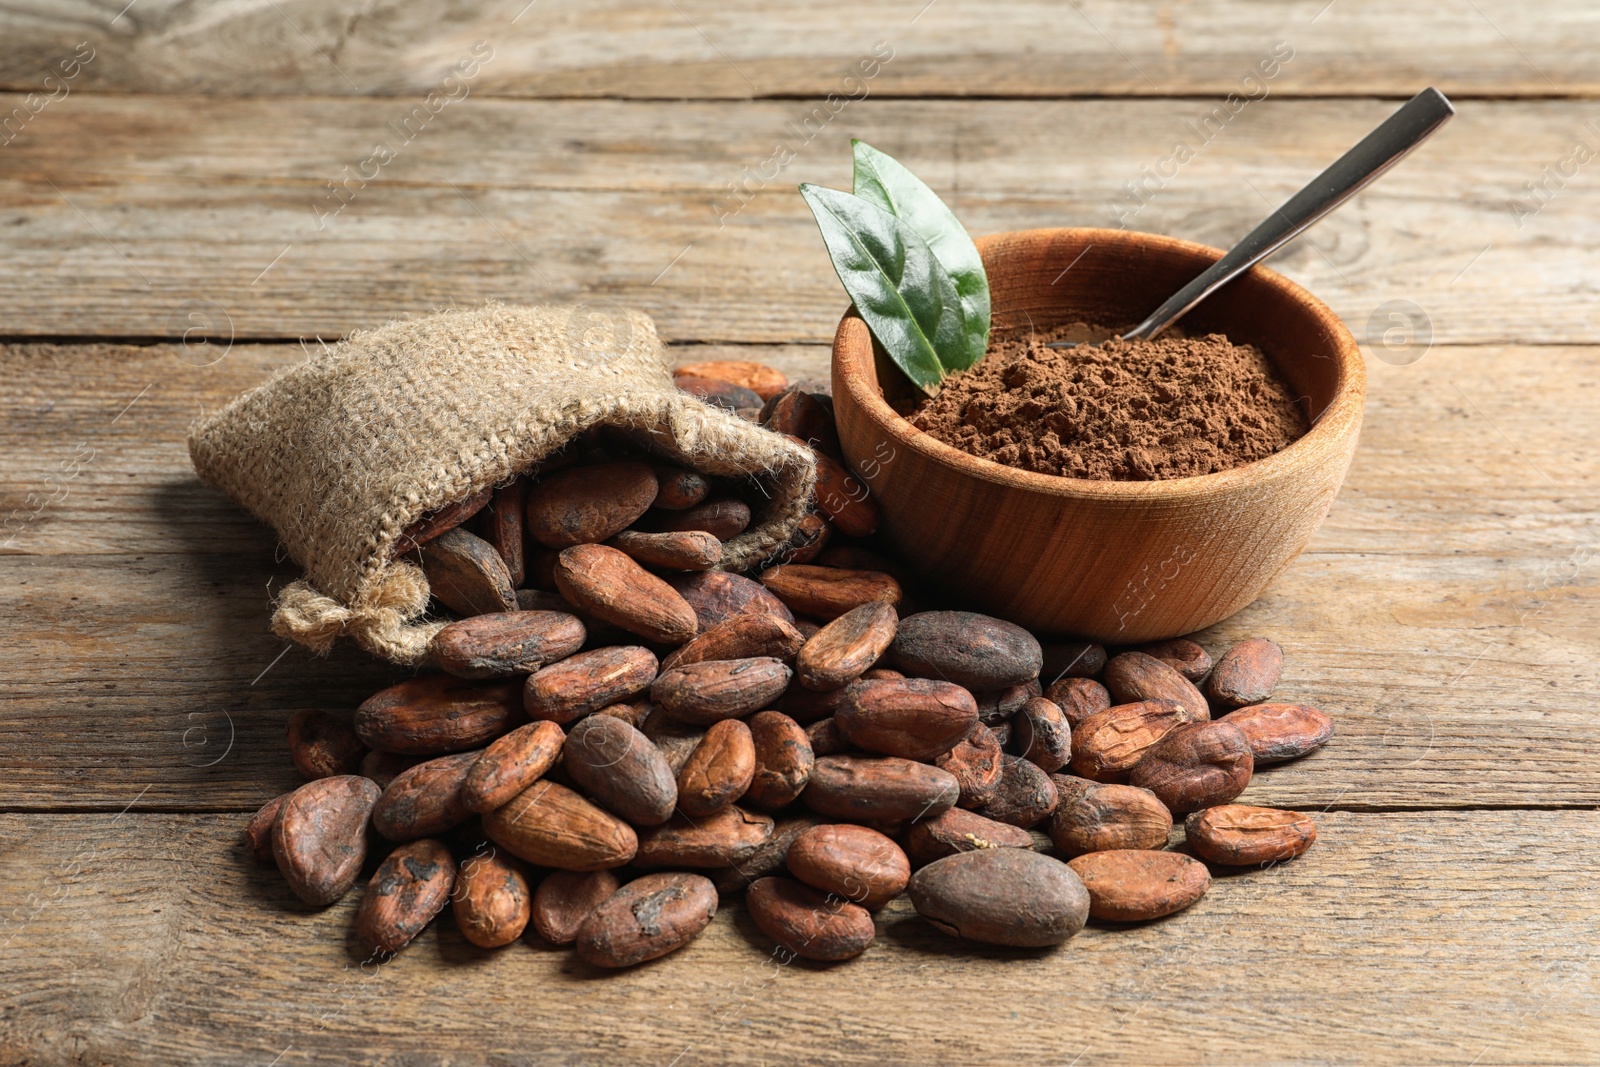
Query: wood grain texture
point(201, 217)
point(698, 48)
point(1411, 939)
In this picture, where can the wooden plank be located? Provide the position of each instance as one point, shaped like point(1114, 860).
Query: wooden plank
point(204, 213)
point(696, 48)
point(1408, 939)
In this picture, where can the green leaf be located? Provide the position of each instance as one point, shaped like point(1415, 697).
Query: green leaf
point(885, 181)
point(907, 299)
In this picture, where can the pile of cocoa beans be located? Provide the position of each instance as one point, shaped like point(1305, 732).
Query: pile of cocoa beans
point(613, 736)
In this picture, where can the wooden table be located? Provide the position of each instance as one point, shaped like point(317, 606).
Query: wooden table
point(196, 198)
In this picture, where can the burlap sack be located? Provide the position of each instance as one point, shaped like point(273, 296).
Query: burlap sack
point(342, 453)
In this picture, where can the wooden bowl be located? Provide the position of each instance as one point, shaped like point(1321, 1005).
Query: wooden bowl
point(1117, 562)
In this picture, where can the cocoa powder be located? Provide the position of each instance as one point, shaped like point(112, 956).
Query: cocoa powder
point(1124, 411)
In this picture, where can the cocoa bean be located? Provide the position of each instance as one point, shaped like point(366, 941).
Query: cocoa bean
point(691, 550)
point(436, 713)
point(740, 637)
point(545, 600)
point(975, 761)
point(320, 837)
point(806, 543)
point(258, 834)
point(647, 918)
point(808, 922)
point(502, 527)
point(809, 705)
point(766, 382)
point(384, 767)
point(768, 858)
point(566, 691)
point(676, 740)
point(828, 592)
point(609, 585)
point(1001, 896)
point(510, 765)
point(723, 519)
point(889, 674)
point(677, 488)
point(1098, 817)
point(996, 706)
point(851, 862)
point(1078, 698)
point(1246, 673)
point(408, 890)
point(425, 800)
point(861, 789)
point(634, 714)
point(505, 643)
point(1183, 655)
point(804, 417)
point(467, 575)
point(323, 744)
point(621, 770)
point(1197, 765)
point(717, 393)
point(964, 647)
point(1072, 659)
point(722, 839)
point(1041, 734)
point(844, 498)
point(712, 690)
point(586, 505)
point(1107, 744)
point(1132, 885)
point(1024, 797)
point(1279, 732)
point(439, 522)
point(719, 770)
point(958, 830)
point(826, 740)
point(1134, 676)
point(566, 898)
point(915, 719)
point(492, 900)
point(1243, 835)
point(718, 595)
point(552, 826)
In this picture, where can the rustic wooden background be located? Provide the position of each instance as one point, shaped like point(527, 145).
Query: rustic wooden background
point(164, 244)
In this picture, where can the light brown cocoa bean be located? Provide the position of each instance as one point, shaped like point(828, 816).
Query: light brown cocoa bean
point(1243, 835)
point(492, 900)
point(825, 739)
point(1078, 698)
point(852, 862)
point(711, 690)
point(690, 550)
point(719, 770)
point(828, 592)
point(719, 595)
point(505, 643)
point(566, 691)
point(676, 740)
point(1183, 655)
point(1132, 885)
point(847, 647)
point(587, 504)
point(1041, 734)
point(436, 713)
point(408, 890)
point(647, 918)
point(718, 393)
point(1246, 674)
point(678, 488)
point(502, 527)
point(323, 743)
point(722, 839)
point(607, 584)
point(768, 858)
point(1134, 676)
point(258, 834)
point(916, 718)
point(977, 651)
point(959, 830)
point(510, 765)
point(425, 800)
point(1100, 817)
point(440, 521)
point(1279, 732)
point(844, 498)
point(975, 761)
point(1107, 744)
point(467, 575)
point(621, 770)
point(565, 899)
point(809, 922)
point(1072, 659)
point(552, 826)
point(766, 382)
point(384, 767)
point(1001, 896)
point(742, 636)
point(320, 837)
point(863, 789)
point(723, 519)
point(1197, 765)
point(1025, 795)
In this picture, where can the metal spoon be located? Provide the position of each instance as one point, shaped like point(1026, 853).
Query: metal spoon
point(1351, 172)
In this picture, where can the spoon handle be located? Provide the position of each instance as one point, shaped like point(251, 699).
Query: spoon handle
point(1377, 152)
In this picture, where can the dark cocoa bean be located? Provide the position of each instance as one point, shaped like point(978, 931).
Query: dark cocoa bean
point(1025, 795)
point(1078, 698)
point(384, 767)
point(769, 858)
point(1001, 896)
point(723, 519)
point(996, 706)
point(588, 504)
point(621, 770)
point(677, 488)
point(1072, 659)
point(804, 417)
point(439, 522)
point(718, 393)
point(676, 740)
point(323, 744)
point(973, 650)
point(502, 527)
point(976, 763)
point(826, 740)
point(467, 575)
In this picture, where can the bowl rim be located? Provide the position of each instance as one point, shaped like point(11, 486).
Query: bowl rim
point(1335, 423)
